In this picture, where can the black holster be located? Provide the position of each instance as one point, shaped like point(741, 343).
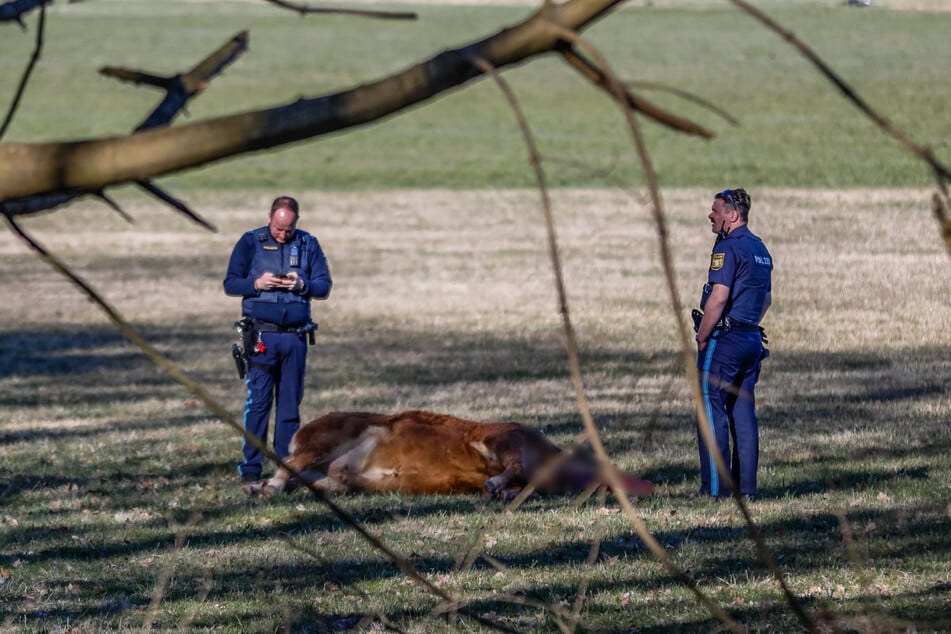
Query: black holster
point(243, 350)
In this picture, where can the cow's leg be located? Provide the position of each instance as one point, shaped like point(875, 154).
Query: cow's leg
point(340, 475)
point(279, 483)
point(345, 472)
point(499, 483)
point(520, 452)
point(300, 462)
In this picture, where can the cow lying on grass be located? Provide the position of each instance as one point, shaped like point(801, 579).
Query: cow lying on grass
point(423, 452)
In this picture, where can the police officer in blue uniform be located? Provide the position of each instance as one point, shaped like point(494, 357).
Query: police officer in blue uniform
point(277, 270)
point(730, 343)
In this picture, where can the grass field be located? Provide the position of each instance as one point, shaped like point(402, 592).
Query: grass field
point(119, 506)
point(106, 461)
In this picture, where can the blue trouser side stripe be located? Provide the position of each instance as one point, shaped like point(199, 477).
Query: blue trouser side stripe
point(244, 419)
point(708, 408)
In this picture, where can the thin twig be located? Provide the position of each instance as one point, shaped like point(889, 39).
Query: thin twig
point(606, 79)
point(676, 305)
point(115, 206)
point(218, 410)
point(593, 552)
point(316, 556)
point(34, 58)
point(207, 585)
point(597, 76)
point(553, 251)
point(467, 556)
point(165, 576)
point(686, 96)
point(175, 203)
point(572, 348)
point(941, 206)
point(756, 535)
point(942, 173)
point(304, 9)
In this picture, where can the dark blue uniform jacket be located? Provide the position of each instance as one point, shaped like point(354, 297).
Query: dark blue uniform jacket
point(741, 262)
point(258, 252)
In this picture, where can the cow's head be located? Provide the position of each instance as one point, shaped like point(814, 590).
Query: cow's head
point(580, 469)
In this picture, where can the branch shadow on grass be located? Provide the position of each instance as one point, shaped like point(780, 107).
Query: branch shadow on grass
point(82, 365)
point(100, 358)
point(806, 542)
point(806, 547)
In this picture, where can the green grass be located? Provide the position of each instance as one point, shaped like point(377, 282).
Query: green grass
point(795, 129)
point(116, 488)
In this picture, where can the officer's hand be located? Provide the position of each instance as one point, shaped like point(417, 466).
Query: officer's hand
point(297, 283)
point(270, 281)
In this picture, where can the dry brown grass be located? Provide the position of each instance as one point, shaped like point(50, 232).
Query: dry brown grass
point(867, 256)
point(856, 270)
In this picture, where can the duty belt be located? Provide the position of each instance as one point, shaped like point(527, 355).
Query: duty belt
point(731, 324)
point(725, 324)
point(266, 326)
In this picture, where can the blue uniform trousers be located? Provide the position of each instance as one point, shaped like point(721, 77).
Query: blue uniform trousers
point(729, 367)
point(281, 383)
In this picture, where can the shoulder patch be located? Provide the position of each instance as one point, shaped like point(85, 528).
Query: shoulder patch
point(716, 261)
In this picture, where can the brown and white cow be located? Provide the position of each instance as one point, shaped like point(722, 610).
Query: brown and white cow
point(423, 452)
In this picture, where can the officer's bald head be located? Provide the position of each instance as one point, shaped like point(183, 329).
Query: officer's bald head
point(285, 202)
point(283, 218)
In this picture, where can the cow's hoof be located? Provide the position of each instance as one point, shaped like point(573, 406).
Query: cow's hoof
point(267, 491)
point(252, 489)
point(291, 485)
point(499, 492)
point(493, 486)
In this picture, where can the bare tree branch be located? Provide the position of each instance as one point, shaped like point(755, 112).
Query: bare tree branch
point(618, 92)
point(590, 71)
point(304, 9)
point(941, 205)
point(15, 10)
point(34, 58)
point(134, 76)
point(687, 96)
point(660, 218)
point(570, 339)
point(179, 90)
point(571, 344)
point(34, 168)
point(115, 207)
point(175, 203)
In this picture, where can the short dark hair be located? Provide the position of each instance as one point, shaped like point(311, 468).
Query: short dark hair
point(738, 199)
point(285, 202)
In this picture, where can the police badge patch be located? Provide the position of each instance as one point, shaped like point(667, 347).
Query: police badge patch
point(716, 262)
